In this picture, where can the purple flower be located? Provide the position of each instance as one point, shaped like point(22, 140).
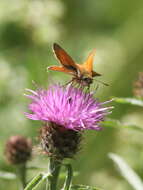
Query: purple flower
point(68, 106)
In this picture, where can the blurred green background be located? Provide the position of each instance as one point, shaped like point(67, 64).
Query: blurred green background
point(28, 28)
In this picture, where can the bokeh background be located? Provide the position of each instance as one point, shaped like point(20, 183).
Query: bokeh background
point(28, 28)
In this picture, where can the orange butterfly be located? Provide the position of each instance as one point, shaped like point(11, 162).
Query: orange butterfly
point(82, 74)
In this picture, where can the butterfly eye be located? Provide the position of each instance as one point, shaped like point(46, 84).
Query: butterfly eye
point(88, 80)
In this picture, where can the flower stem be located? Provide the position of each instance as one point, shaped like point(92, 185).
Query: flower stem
point(54, 169)
point(68, 180)
point(21, 174)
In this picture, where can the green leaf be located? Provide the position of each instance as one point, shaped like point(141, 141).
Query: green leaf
point(117, 124)
point(34, 182)
point(7, 175)
point(127, 172)
point(132, 101)
point(83, 187)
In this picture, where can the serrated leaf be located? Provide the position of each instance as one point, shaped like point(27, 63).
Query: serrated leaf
point(117, 124)
point(7, 175)
point(127, 172)
point(132, 101)
point(83, 187)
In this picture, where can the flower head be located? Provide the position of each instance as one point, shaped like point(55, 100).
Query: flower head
point(68, 107)
point(138, 86)
point(18, 149)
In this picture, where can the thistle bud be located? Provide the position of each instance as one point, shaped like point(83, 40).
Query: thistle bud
point(138, 86)
point(18, 149)
point(58, 142)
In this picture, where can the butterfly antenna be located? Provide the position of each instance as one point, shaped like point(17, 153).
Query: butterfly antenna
point(102, 82)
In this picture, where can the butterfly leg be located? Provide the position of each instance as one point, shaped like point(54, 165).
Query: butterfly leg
point(70, 82)
point(97, 87)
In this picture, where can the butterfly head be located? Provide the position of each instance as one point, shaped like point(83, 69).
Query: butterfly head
point(83, 78)
point(86, 81)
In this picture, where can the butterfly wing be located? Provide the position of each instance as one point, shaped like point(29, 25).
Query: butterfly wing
point(88, 65)
point(65, 60)
point(89, 62)
point(61, 69)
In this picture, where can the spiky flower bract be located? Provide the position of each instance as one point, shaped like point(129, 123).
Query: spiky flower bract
point(69, 107)
point(58, 142)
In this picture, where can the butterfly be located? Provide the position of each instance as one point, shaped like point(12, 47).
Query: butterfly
point(82, 73)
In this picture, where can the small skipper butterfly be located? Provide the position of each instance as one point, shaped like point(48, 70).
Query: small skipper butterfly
point(82, 73)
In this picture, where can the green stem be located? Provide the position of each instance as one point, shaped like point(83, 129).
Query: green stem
point(54, 169)
point(69, 176)
point(21, 173)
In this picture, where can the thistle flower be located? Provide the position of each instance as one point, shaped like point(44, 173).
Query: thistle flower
point(18, 149)
point(65, 111)
point(138, 86)
point(68, 107)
